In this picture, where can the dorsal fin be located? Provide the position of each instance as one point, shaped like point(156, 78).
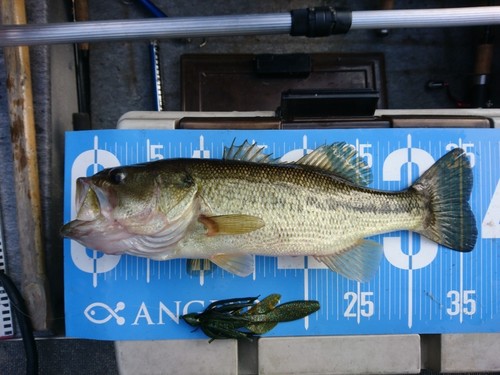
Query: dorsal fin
point(247, 152)
point(340, 159)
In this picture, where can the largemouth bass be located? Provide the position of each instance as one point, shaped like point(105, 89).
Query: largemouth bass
point(248, 204)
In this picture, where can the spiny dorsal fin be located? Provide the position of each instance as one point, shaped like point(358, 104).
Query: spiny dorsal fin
point(247, 152)
point(340, 159)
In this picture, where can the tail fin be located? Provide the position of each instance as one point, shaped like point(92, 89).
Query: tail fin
point(446, 189)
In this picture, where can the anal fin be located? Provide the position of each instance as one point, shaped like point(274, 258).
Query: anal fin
point(359, 262)
point(240, 265)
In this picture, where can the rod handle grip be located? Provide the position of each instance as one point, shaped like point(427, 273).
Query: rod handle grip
point(320, 21)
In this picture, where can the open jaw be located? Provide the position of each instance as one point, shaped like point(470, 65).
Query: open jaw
point(99, 234)
point(93, 226)
point(148, 233)
point(91, 200)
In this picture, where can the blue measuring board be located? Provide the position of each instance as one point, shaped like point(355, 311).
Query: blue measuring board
point(421, 287)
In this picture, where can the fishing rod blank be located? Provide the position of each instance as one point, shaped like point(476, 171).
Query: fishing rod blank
point(311, 22)
point(422, 18)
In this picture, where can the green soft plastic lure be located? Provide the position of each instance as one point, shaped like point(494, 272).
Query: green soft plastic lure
point(246, 318)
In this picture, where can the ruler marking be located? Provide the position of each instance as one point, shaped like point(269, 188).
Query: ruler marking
point(441, 287)
point(306, 286)
point(390, 293)
point(337, 293)
point(327, 295)
point(461, 287)
point(378, 295)
point(423, 303)
point(479, 267)
point(400, 296)
point(410, 237)
point(429, 288)
point(494, 291)
point(358, 304)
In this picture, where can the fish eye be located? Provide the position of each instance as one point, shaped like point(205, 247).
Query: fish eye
point(117, 176)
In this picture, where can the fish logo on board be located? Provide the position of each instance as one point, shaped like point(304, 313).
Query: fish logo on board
point(101, 313)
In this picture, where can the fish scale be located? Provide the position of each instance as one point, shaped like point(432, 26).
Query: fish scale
point(230, 210)
point(305, 212)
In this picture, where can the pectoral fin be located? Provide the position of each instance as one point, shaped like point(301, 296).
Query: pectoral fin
point(240, 265)
point(360, 262)
point(230, 224)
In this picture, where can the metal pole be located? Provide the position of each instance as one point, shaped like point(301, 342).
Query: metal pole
point(419, 18)
point(180, 27)
point(253, 24)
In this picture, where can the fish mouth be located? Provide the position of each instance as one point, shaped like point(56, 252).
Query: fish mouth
point(99, 224)
point(93, 226)
point(99, 234)
point(92, 207)
point(91, 201)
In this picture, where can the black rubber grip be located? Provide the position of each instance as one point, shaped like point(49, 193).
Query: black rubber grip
point(321, 21)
